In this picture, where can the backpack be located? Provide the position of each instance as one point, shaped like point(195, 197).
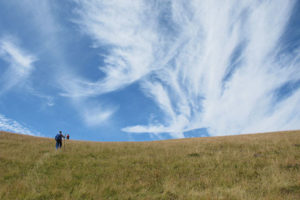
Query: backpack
point(57, 137)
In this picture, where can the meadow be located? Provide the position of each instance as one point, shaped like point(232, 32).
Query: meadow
point(256, 166)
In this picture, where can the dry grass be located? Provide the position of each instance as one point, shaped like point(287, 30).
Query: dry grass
point(261, 166)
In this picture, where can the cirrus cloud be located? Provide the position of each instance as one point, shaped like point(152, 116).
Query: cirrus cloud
point(8, 124)
point(205, 64)
point(20, 63)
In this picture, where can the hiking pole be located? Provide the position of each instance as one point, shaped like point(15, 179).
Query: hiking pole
point(64, 142)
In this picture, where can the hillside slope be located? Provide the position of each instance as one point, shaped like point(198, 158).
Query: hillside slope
point(259, 166)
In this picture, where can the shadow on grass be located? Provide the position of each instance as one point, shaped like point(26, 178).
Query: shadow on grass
point(194, 155)
point(294, 189)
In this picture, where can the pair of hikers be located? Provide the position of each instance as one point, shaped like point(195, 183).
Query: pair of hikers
point(59, 137)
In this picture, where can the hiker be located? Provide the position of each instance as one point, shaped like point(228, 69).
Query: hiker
point(68, 136)
point(58, 139)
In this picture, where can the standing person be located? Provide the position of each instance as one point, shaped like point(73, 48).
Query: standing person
point(68, 136)
point(58, 139)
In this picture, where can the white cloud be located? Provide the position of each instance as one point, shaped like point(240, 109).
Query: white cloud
point(20, 63)
point(96, 117)
point(92, 112)
point(45, 21)
point(130, 42)
point(205, 64)
point(7, 124)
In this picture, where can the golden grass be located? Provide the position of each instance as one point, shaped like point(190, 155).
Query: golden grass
point(260, 166)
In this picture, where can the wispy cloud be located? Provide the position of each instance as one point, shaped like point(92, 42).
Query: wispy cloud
point(92, 112)
point(7, 124)
point(130, 41)
point(45, 21)
point(206, 64)
point(20, 63)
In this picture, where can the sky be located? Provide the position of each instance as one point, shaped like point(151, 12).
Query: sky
point(149, 70)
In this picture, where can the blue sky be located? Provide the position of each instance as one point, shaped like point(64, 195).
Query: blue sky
point(149, 70)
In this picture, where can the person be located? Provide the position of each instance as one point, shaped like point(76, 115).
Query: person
point(58, 139)
point(68, 136)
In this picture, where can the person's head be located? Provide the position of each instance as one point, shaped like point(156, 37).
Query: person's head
point(60, 132)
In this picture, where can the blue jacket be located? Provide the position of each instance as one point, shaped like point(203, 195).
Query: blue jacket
point(59, 137)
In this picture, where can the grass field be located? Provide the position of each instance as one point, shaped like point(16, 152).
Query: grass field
point(259, 166)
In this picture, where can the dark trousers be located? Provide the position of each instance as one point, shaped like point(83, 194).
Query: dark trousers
point(58, 144)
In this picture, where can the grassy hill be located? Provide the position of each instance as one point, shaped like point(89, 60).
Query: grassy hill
point(260, 166)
